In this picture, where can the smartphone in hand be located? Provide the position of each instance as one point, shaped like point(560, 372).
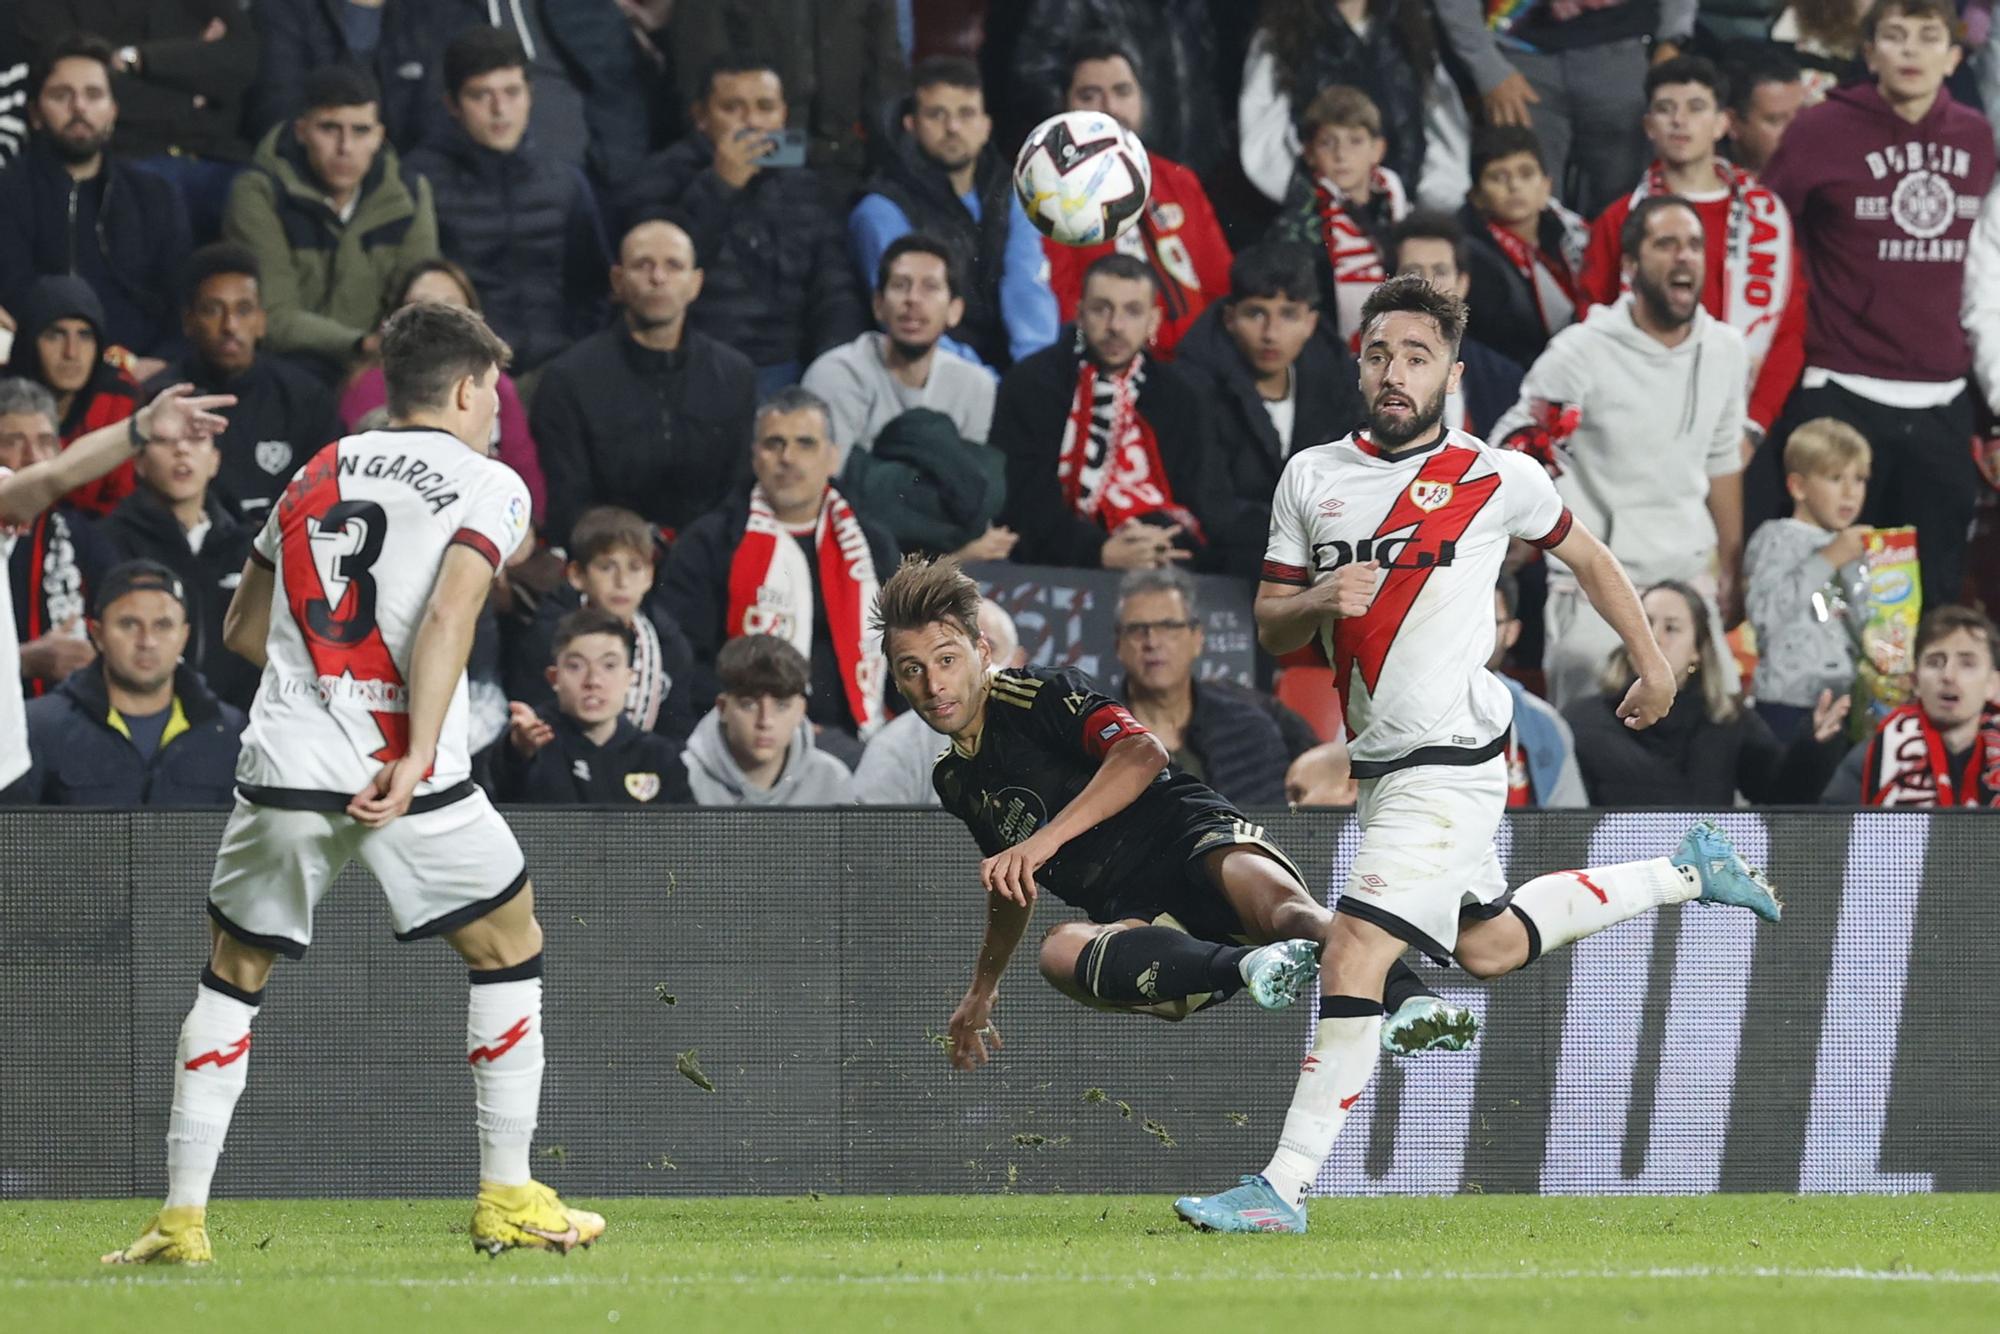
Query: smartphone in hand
point(789, 149)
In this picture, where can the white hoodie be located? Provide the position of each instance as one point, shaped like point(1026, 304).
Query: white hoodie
point(1658, 422)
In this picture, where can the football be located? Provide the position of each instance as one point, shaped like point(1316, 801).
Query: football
point(1082, 178)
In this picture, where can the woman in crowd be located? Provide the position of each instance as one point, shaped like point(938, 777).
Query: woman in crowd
point(1709, 747)
point(442, 280)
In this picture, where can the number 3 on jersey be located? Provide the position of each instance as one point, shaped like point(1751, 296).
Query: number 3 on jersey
point(330, 547)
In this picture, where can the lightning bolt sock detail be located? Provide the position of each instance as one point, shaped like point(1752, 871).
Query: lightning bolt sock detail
point(211, 1065)
point(503, 1047)
point(1345, 1047)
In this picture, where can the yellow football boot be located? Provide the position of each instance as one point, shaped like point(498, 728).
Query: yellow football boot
point(529, 1215)
point(173, 1237)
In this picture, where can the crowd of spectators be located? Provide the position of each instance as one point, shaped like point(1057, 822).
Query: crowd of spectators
point(778, 319)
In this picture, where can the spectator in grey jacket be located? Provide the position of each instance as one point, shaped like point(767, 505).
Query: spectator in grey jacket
point(895, 769)
point(755, 747)
point(1654, 461)
point(1800, 572)
point(869, 382)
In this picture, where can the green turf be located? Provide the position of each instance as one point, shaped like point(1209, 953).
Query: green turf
point(1048, 1264)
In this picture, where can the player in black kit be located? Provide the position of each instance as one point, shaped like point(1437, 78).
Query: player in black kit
point(1188, 901)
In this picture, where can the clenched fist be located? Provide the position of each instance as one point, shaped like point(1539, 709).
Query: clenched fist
point(1351, 590)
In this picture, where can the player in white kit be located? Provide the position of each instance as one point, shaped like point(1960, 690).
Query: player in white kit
point(360, 598)
point(1385, 546)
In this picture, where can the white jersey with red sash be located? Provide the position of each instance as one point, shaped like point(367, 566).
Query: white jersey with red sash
point(354, 546)
point(1412, 672)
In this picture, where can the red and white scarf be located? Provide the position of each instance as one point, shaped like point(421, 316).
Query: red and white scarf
point(771, 593)
point(1551, 278)
point(1759, 261)
point(1110, 468)
point(1359, 266)
point(1906, 764)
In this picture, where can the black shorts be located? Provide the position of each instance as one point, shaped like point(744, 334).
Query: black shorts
point(1175, 883)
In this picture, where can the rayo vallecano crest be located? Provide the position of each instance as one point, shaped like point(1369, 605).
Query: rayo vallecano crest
point(274, 456)
point(1428, 495)
point(642, 787)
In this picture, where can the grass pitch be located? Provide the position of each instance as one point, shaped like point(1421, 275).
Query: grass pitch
point(1054, 1264)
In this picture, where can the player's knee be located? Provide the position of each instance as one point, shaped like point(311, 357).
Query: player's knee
point(1485, 958)
point(1060, 948)
point(246, 967)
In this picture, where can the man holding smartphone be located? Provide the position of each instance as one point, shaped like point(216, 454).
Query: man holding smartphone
point(778, 287)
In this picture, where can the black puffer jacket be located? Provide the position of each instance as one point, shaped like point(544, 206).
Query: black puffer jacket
point(1240, 742)
point(779, 285)
point(922, 190)
point(526, 228)
point(79, 759)
point(1247, 447)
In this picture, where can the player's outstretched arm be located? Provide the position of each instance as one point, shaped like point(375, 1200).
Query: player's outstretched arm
point(1128, 767)
point(1604, 582)
point(437, 660)
point(246, 626)
point(971, 1027)
point(175, 415)
point(1290, 616)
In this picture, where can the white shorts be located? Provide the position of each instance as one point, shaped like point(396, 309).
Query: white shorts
point(1427, 853)
point(440, 869)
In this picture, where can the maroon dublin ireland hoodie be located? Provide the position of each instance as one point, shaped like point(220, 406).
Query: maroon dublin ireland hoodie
point(1883, 209)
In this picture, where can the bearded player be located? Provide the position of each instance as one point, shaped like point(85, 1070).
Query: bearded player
point(360, 598)
point(1189, 903)
point(1384, 547)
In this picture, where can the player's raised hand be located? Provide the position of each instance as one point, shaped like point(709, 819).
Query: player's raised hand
point(1011, 872)
point(971, 1029)
point(1351, 591)
point(388, 793)
point(181, 414)
point(1647, 701)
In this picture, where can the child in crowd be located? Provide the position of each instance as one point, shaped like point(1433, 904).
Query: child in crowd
point(755, 747)
point(1342, 201)
point(611, 567)
point(582, 749)
point(1800, 572)
point(1526, 248)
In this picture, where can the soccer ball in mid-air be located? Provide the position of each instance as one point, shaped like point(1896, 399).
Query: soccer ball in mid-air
point(1082, 178)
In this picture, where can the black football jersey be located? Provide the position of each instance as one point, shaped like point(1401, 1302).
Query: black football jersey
point(1046, 733)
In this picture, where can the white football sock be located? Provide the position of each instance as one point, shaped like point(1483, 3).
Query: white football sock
point(1343, 1055)
point(211, 1065)
point(503, 1045)
point(1570, 905)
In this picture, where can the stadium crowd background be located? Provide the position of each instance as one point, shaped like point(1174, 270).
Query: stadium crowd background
point(235, 193)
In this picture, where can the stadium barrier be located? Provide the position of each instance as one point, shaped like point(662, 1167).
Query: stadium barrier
point(806, 962)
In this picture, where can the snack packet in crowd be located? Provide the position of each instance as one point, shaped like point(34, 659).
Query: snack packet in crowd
point(1889, 629)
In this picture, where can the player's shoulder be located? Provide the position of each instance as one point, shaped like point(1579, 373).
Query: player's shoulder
point(1515, 468)
point(1316, 461)
point(1023, 686)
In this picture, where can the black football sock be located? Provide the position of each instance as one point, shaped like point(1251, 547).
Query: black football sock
point(1143, 964)
point(1402, 984)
